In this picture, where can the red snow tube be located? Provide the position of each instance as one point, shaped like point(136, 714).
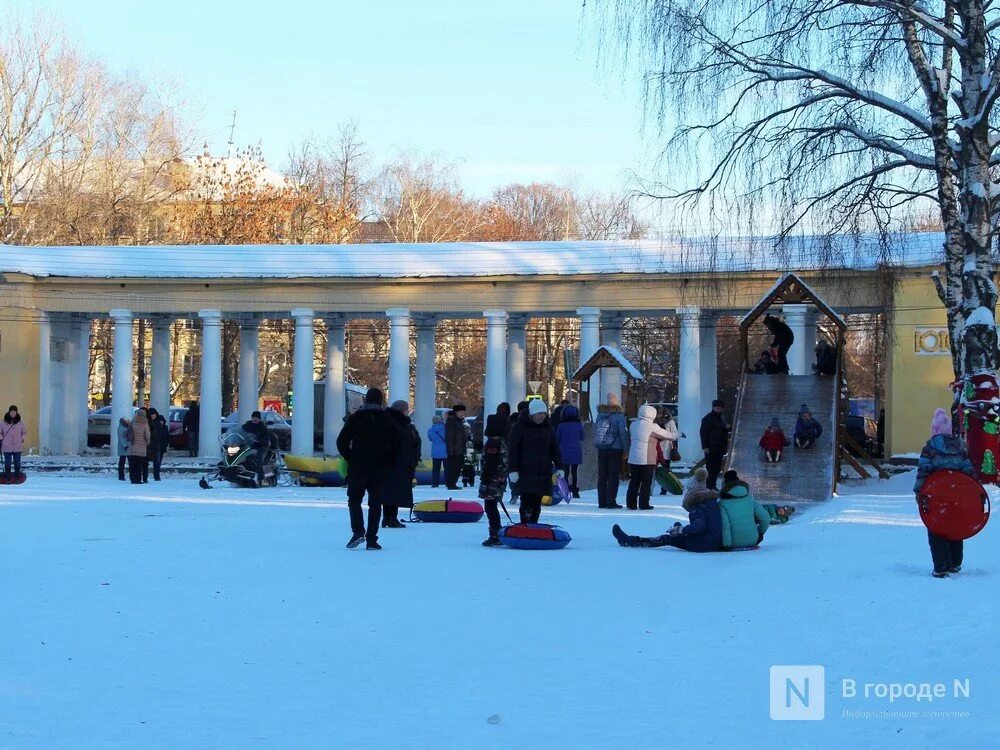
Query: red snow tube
point(534, 536)
point(953, 505)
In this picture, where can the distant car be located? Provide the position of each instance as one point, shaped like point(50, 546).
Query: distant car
point(99, 428)
point(281, 427)
point(865, 433)
point(176, 424)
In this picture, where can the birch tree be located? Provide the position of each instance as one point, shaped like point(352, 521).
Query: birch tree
point(840, 114)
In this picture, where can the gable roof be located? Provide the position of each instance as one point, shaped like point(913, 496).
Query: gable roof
point(606, 356)
point(791, 290)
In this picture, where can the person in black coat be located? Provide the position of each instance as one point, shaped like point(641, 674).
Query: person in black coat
point(159, 440)
point(369, 444)
point(714, 441)
point(511, 421)
point(782, 342)
point(264, 441)
point(532, 455)
point(455, 439)
point(191, 424)
point(398, 489)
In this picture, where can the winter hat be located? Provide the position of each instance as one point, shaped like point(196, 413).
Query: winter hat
point(700, 475)
point(804, 409)
point(718, 402)
point(12, 407)
point(437, 419)
point(458, 407)
point(775, 423)
point(255, 414)
point(374, 396)
point(730, 477)
point(941, 423)
point(537, 406)
point(522, 405)
point(401, 406)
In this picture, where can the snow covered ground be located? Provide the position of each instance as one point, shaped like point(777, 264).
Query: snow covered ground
point(163, 616)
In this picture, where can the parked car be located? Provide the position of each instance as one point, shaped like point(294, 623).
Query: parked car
point(176, 424)
point(865, 433)
point(99, 428)
point(276, 423)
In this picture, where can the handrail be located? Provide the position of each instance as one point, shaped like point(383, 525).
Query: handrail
point(740, 390)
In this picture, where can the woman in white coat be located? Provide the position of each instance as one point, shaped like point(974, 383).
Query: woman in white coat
point(645, 434)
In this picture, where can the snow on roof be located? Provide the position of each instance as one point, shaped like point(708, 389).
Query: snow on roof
point(623, 363)
point(474, 259)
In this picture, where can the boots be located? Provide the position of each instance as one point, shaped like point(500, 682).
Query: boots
point(493, 541)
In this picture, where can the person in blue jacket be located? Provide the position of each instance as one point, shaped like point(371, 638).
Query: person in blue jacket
point(703, 532)
point(807, 429)
point(569, 433)
point(439, 450)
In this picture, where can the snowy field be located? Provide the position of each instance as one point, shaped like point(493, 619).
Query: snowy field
point(163, 616)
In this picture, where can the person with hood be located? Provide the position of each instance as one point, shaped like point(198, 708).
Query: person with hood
point(398, 489)
point(455, 442)
point(569, 433)
point(703, 532)
point(191, 424)
point(159, 442)
point(782, 342)
point(557, 413)
point(744, 520)
point(439, 450)
point(943, 451)
point(122, 444)
point(807, 429)
point(264, 441)
point(532, 456)
point(13, 431)
point(611, 438)
point(493, 470)
point(369, 444)
point(773, 441)
point(714, 441)
point(645, 434)
point(138, 437)
point(521, 406)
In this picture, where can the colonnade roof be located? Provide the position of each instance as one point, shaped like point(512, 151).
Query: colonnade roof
point(476, 259)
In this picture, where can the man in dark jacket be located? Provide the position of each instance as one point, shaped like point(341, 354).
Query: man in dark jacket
point(369, 444)
point(263, 440)
point(159, 441)
point(714, 441)
point(454, 441)
point(398, 489)
point(191, 425)
point(783, 339)
point(521, 406)
point(533, 454)
point(702, 534)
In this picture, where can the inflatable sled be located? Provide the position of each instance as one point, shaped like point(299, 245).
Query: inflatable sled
point(668, 481)
point(19, 479)
point(560, 492)
point(953, 505)
point(447, 511)
point(534, 536)
point(317, 471)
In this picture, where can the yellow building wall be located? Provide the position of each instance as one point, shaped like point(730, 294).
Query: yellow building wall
point(921, 370)
point(19, 367)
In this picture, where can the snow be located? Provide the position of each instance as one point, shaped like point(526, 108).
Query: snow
point(473, 259)
point(981, 316)
point(163, 616)
point(623, 362)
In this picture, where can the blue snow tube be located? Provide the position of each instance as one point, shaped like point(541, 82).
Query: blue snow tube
point(534, 536)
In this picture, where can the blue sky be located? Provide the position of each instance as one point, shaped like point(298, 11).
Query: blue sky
point(513, 91)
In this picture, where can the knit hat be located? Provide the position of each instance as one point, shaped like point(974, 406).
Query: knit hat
point(537, 406)
point(730, 477)
point(700, 475)
point(437, 419)
point(805, 409)
point(458, 407)
point(255, 414)
point(941, 423)
point(374, 396)
point(775, 423)
point(718, 402)
point(401, 406)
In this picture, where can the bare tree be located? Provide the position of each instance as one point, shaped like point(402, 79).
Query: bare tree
point(842, 114)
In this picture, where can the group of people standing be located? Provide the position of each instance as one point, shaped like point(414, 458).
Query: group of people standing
point(142, 441)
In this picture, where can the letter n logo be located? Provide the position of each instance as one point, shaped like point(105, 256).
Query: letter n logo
point(798, 693)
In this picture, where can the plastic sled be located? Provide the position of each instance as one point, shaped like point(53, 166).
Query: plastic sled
point(668, 481)
point(953, 505)
point(19, 479)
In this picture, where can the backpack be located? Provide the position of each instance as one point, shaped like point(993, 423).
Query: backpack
point(604, 434)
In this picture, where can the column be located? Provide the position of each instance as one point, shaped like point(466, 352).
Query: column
point(45, 395)
point(67, 437)
point(709, 351)
point(425, 396)
point(689, 383)
point(399, 354)
point(495, 387)
point(334, 396)
point(590, 341)
point(611, 377)
point(159, 391)
point(81, 390)
point(249, 372)
point(303, 414)
point(517, 378)
point(210, 417)
point(121, 374)
point(802, 320)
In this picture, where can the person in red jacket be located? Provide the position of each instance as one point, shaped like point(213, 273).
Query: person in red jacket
point(773, 441)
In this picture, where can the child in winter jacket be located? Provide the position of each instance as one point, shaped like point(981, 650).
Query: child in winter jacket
point(569, 433)
point(493, 477)
point(807, 429)
point(943, 451)
point(12, 434)
point(773, 441)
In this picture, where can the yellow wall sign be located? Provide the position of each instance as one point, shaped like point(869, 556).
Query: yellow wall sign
point(931, 342)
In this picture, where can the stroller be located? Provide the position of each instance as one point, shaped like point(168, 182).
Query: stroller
point(240, 454)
